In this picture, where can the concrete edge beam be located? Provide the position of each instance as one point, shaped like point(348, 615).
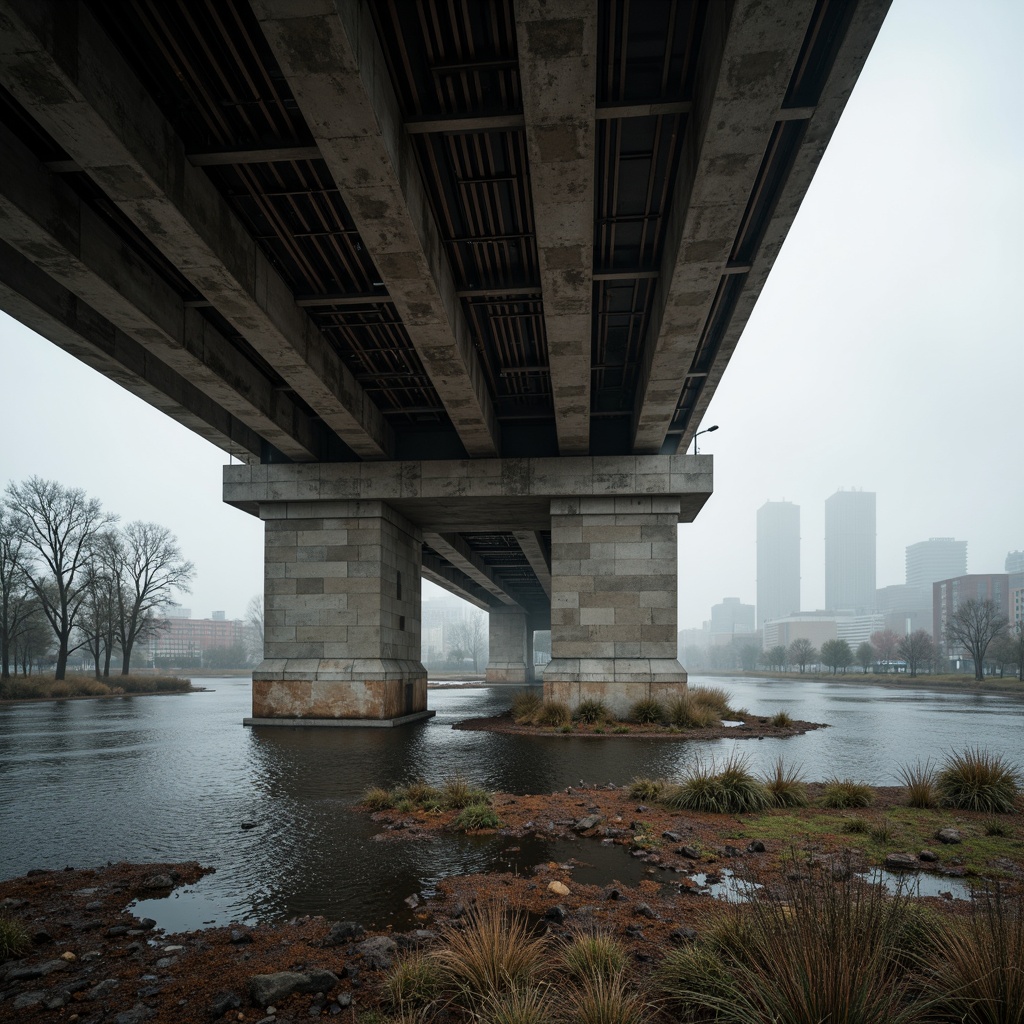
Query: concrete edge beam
point(341, 723)
point(455, 549)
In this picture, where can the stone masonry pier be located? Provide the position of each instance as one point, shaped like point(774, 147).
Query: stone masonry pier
point(345, 552)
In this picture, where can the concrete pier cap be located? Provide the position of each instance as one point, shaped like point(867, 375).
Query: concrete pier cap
point(344, 557)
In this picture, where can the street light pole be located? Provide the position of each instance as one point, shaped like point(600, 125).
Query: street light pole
point(699, 432)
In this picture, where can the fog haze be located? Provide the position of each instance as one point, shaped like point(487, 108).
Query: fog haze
point(885, 351)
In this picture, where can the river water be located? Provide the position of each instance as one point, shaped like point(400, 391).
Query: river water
point(174, 778)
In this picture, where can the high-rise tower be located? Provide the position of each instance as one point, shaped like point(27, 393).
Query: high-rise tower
point(938, 558)
point(850, 551)
point(778, 560)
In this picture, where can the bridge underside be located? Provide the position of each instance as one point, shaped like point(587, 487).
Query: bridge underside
point(390, 253)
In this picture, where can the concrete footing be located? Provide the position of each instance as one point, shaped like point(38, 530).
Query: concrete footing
point(344, 723)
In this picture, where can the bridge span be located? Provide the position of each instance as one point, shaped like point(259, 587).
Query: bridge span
point(454, 282)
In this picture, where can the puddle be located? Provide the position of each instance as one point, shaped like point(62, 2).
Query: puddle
point(729, 724)
point(191, 907)
point(729, 886)
point(919, 883)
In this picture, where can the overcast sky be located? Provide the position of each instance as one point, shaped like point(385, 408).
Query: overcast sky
point(886, 351)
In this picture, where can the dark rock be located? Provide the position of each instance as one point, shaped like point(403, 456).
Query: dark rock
point(344, 999)
point(32, 872)
point(733, 851)
point(222, 1002)
point(33, 971)
point(688, 852)
point(642, 809)
point(949, 836)
point(634, 931)
point(55, 1000)
point(91, 925)
point(240, 938)
point(93, 905)
point(115, 930)
point(378, 953)
point(672, 837)
point(147, 923)
point(681, 935)
point(10, 903)
point(103, 988)
point(643, 910)
point(755, 846)
point(164, 962)
point(613, 894)
point(246, 825)
point(929, 856)
point(136, 1015)
point(41, 937)
point(149, 991)
point(158, 882)
point(266, 989)
point(900, 862)
point(342, 930)
point(412, 902)
point(27, 999)
point(416, 938)
point(457, 911)
point(557, 913)
point(587, 823)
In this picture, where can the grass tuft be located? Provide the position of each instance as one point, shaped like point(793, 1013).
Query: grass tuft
point(376, 798)
point(843, 793)
point(596, 955)
point(553, 713)
point(686, 713)
point(732, 789)
point(605, 1001)
point(647, 711)
point(976, 780)
point(13, 938)
point(781, 720)
point(646, 789)
point(591, 711)
point(457, 792)
point(856, 826)
point(716, 698)
point(785, 785)
point(496, 952)
point(525, 706)
point(519, 1005)
point(414, 982)
point(477, 816)
point(919, 780)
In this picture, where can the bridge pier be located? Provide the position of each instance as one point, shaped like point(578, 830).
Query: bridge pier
point(346, 544)
point(341, 616)
point(510, 646)
point(613, 601)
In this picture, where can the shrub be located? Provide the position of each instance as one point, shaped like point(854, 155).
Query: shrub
point(786, 786)
point(856, 826)
point(731, 790)
point(603, 1000)
point(620, 730)
point(525, 706)
point(843, 793)
point(494, 953)
point(477, 816)
point(646, 789)
point(685, 713)
point(376, 798)
point(591, 710)
point(593, 956)
point(413, 982)
point(919, 780)
point(975, 780)
point(781, 720)
point(13, 938)
point(647, 711)
point(553, 713)
point(59, 689)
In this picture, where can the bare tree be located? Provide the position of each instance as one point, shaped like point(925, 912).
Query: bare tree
point(147, 565)
point(865, 656)
point(800, 652)
point(254, 619)
point(33, 640)
point(915, 648)
point(58, 525)
point(886, 644)
point(467, 638)
point(1016, 636)
point(775, 658)
point(16, 604)
point(98, 622)
point(972, 627)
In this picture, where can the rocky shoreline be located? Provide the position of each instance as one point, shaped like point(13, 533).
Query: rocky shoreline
point(92, 961)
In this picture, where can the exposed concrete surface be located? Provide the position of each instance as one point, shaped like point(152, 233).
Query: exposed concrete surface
point(379, 723)
point(333, 62)
point(510, 655)
point(558, 76)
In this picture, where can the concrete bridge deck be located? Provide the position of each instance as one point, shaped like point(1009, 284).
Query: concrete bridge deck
point(447, 283)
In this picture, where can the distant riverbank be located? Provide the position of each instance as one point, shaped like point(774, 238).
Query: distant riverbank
point(892, 680)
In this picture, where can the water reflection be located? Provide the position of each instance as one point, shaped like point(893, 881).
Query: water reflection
point(174, 777)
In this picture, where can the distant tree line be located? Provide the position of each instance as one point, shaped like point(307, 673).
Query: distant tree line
point(72, 579)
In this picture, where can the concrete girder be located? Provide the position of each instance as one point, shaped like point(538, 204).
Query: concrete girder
point(455, 582)
point(49, 309)
point(558, 75)
point(333, 61)
point(529, 542)
point(59, 64)
point(45, 220)
point(461, 555)
point(746, 63)
point(821, 124)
